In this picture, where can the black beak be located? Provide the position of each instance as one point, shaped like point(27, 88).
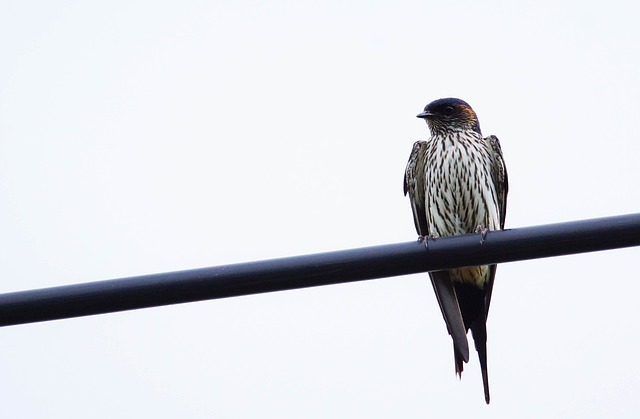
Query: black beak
point(424, 115)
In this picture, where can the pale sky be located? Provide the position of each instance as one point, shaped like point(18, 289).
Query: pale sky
point(141, 136)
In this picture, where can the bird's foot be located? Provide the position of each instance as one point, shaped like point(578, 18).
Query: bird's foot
point(425, 239)
point(483, 232)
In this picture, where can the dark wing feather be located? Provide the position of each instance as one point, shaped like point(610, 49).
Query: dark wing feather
point(501, 182)
point(414, 185)
point(499, 175)
point(450, 308)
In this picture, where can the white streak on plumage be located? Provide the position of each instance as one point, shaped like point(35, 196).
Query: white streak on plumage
point(458, 179)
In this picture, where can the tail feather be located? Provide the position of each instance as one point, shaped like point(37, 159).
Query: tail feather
point(479, 333)
point(459, 360)
point(474, 313)
point(464, 306)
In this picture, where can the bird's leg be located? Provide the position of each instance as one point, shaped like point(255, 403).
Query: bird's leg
point(425, 239)
point(483, 231)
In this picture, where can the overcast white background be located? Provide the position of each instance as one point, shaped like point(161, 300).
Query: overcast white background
point(141, 136)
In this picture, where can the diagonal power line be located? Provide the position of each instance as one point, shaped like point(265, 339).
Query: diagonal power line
point(318, 269)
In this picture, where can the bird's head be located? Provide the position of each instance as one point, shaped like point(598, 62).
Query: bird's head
point(450, 114)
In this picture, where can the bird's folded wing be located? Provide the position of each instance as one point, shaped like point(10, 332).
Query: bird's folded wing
point(415, 187)
point(501, 182)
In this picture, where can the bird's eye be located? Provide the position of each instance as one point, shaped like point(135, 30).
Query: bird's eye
point(448, 111)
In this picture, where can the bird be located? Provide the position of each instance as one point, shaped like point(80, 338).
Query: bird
point(457, 184)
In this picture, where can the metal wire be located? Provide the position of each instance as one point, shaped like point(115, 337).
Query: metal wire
point(318, 269)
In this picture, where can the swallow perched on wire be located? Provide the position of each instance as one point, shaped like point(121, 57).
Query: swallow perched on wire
point(457, 184)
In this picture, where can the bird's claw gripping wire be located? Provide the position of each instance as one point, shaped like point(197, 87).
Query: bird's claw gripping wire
point(483, 232)
point(425, 239)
